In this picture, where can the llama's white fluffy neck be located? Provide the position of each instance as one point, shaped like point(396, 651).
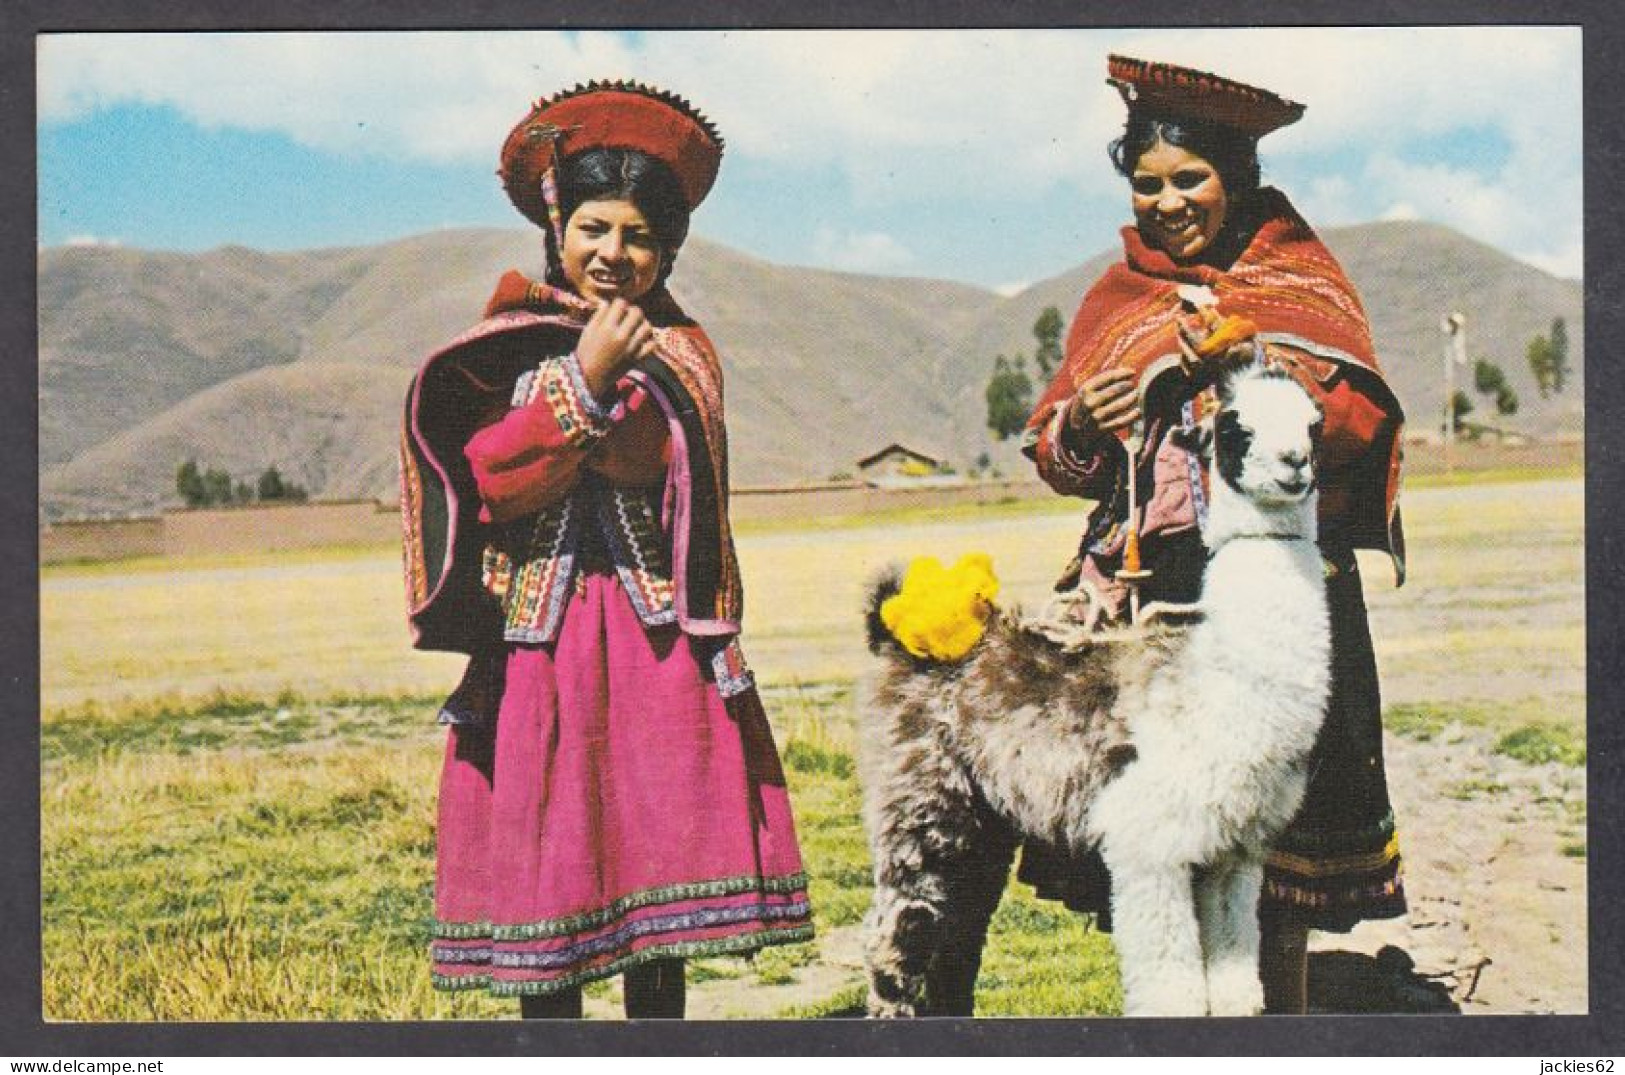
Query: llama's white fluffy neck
point(1232, 515)
point(1263, 591)
point(1262, 651)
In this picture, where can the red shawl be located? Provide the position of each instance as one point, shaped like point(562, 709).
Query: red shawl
point(467, 383)
point(1285, 281)
point(1289, 285)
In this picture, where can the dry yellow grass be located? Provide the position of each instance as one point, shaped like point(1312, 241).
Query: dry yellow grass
point(1494, 609)
point(1496, 594)
point(301, 624)
point(319, 626)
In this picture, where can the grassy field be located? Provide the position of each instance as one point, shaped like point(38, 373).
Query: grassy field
point(239, 756)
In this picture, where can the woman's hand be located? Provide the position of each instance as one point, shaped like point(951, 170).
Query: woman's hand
point(1105, 403)
point(617, 337)
point(1210, 346)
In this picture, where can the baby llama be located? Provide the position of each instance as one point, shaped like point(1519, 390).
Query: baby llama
point(1181, 752)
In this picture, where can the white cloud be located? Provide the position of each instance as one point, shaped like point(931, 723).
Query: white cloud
point(890, 109)
point(1327, 201)
point(1400, 211)
point(871, 252)
point(91, 240)
point(1567, 261)
point(1013, 289)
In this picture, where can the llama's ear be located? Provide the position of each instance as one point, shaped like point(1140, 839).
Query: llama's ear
point(1196, 438)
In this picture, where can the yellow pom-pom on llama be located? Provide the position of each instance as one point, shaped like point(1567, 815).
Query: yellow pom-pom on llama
point(941, 612)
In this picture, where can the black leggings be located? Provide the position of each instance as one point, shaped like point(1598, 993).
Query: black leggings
point(654, 990)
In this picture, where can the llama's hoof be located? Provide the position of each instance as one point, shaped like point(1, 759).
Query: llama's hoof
point(1235, 994)
point(881, 1009)
point(1166, 1003)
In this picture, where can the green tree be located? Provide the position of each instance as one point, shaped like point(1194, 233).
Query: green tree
point(271, 485)
point(1009, 397)
point(1490, 381)
point(189, 484)
point(1461, 407)
point(216, 487)
point(1506, 401)
point(1047, 331)
point(1542, 364)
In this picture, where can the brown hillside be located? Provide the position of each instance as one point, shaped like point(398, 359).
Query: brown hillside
point(822, 367)
point(126, 334)
point(1411, 274)
point(328, 427)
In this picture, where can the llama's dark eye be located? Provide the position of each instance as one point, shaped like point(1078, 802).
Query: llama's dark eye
point(1229, 431)
point(1231, 441)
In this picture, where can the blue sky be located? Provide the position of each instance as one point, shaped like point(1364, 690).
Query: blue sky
point(971, 155)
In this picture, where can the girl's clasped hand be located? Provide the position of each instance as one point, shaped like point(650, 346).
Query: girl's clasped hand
point(618, 336)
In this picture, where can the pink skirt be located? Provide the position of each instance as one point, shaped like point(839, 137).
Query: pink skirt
point(620, 810)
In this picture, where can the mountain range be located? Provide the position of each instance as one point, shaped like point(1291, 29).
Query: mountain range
point(242, 359)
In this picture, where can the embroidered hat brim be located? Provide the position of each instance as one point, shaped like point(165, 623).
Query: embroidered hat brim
point(1168, 90)
point(609, 115)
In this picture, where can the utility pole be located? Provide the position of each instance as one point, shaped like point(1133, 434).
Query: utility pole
point(1455, 353)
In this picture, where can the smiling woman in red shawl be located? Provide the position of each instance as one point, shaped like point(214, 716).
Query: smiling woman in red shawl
point(611, 800)
point(1217, 270)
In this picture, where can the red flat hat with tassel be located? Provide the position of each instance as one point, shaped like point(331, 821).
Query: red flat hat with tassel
point(1164, 89)
point(609, 115)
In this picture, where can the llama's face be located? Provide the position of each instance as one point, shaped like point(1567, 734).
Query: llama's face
point(1265, 436)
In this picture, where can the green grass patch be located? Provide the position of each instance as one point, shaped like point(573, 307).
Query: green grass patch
point(714, 970)
point(200, 864)
point(778, 966)
point(241, 886)
point(1561, 718)
point(1422, 722)
point(230, 722)
point(810, 758)
point(1044, 960)
point(846, 1003)
point(1468, 790)
point(1541, 744)
point(1574, 849)
point(227, 703)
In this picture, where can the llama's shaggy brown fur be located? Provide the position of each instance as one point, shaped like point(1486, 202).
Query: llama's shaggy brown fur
point(1018, 738)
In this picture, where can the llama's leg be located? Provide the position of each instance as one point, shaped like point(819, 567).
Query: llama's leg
point(973, 897)
point(1158, 943)
point(902, 933)
point(1227, 903)
point(922, 825)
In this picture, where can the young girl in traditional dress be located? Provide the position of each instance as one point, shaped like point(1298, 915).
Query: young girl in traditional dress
point(1139, 355)
point(611, 799)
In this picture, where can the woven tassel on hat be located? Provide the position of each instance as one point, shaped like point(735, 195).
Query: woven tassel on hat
point(555, 218)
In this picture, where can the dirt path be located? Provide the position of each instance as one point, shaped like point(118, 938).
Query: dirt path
point(1497, 922)
point(1493, 616)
